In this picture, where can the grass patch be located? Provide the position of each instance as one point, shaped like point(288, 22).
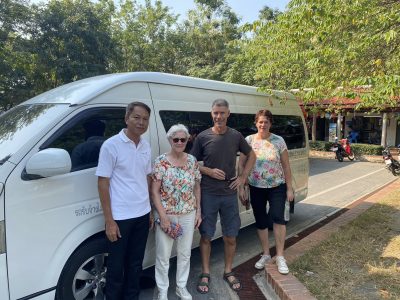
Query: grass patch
point(360, 261)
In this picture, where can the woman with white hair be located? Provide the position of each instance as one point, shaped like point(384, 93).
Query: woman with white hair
point(176, 197)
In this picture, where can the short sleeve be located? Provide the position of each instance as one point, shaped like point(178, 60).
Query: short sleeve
point(107, 160)
point(281, 145)
point(249, 139)
point(196, 149)
point(244, 146)
point(196, 168)
point(158, 169)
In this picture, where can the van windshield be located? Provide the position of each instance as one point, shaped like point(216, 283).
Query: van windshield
point(21, 123)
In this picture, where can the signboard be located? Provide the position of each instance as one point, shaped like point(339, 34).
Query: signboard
point(332, 131)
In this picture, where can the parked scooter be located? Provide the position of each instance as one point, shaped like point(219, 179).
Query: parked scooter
point(392, 164)
point(342, 149)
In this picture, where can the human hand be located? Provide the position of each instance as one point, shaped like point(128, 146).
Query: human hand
point(237, 182)
point(290, 194)
point(217, 174)
point(112, 231)
point(243, 194)
point(197, 220)
point(165, 224)
point(151, 221)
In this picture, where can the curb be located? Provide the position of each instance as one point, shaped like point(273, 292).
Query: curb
point(288, 287)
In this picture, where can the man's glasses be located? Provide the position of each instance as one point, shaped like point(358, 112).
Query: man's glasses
point(183, 140)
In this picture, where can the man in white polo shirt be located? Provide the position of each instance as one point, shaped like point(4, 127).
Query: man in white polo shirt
point(123, 181)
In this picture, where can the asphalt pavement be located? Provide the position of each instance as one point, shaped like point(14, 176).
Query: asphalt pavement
point(332, 186)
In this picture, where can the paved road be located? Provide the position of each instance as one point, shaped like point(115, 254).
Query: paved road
point(332, 185)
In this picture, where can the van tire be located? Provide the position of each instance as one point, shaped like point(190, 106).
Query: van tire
point(82, 260)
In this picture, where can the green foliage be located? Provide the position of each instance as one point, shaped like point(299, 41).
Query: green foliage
point(209, 44)
point(146, 38)
point(358, 149)
point(324, 44)
point(366, 149)
point(15, 54)
point(320, 145)
point(72, 41)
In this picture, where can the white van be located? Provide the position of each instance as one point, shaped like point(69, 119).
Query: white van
point(52, 242)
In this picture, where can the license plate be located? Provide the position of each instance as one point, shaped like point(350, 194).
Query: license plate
point(388, 161)
point(334, 149)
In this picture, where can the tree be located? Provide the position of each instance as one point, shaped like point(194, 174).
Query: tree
point(15, 54)
point(72, 40)
point(146, 38)
point(334, 48)
point(244, 64)
point(210, 31)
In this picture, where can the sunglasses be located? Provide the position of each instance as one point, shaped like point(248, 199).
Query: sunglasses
point(183, 140)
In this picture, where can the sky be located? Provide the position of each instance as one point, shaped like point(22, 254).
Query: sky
point(246, 9)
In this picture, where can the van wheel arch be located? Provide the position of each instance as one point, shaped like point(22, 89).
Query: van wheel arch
point(84, 272)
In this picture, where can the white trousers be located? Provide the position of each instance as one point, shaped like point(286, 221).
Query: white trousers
point(164, 246)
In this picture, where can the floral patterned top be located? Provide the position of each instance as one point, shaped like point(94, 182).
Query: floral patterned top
point(267, 171)
point(177, 184)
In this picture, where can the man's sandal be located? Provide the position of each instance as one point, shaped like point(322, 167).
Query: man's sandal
point(202, 283)
point(232, 282)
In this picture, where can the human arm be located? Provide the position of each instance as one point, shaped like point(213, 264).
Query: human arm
point(156, 199)
point(112, 229)
point(243, 196)
point(212, 172)
point(149, 181)
point(244, 171)
point(197, 195)
point(288, 174)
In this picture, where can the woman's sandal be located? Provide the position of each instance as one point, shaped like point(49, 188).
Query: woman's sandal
point(202, 283)
point(232, 282)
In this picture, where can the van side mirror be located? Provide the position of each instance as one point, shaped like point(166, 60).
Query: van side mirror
point(48, 162)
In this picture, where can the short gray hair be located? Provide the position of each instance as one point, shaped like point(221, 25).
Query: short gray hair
point(176, 128)
point(220, 102)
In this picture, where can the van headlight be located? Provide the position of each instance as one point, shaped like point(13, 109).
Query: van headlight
point(2, 237)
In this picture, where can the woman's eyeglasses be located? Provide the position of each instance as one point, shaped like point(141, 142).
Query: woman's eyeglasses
point(182, 140)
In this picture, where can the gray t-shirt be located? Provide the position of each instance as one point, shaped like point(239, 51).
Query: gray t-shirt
point(219, 151)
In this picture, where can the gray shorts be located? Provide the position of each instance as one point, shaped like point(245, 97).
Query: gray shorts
point(227, 207)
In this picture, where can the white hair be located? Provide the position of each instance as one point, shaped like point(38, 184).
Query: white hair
point(177, 128)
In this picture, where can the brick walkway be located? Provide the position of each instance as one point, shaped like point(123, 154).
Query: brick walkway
point(288, 287)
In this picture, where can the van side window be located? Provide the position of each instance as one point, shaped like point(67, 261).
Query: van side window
point(289, 127)
point(83, 135)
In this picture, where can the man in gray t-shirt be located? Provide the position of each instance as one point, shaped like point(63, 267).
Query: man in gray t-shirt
point(217, 147)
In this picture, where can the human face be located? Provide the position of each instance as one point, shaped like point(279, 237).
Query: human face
point(263, 124)
point(178, 141)
point(137, 122)
point(220, 116)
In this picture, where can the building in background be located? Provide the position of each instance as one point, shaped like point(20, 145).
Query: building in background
point(360, 125)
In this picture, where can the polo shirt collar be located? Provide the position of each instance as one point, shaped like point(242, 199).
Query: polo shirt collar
point(125, 138)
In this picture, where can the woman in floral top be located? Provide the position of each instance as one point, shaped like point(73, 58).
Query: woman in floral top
point(270, 181)
point(176, 197)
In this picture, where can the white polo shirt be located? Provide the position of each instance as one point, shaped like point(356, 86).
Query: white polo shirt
point(127, 166)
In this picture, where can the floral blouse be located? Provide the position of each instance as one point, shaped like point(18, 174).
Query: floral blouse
point(267, 171)
point(177, 184)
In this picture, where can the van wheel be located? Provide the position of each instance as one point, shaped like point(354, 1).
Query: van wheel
point(83, 276)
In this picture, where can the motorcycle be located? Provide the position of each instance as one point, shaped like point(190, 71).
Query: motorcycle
point(392, 164)
point(342, 149)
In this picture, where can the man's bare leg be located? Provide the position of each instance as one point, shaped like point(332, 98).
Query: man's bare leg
point(205, 252)
point(229, 253)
